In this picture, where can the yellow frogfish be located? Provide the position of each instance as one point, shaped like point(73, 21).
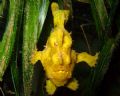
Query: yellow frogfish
point(57, 58)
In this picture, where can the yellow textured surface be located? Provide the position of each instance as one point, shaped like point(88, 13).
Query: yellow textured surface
point(89, 59)
point(73, 85)
point(50, 87)
point(57, 58)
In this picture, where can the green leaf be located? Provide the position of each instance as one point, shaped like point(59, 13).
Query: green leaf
point(103, 62)
point(7, 43)
point(16, 76)
point(35, 13)
point(112, 3)
point(103, 22)
point(100, 16)
point(97, 74)
point(83, 1)
point(2, 7)
point(16, 58)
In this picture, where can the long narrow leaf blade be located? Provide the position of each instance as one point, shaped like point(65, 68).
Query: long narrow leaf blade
point(16, 57)
point(7, 42)
point(100, 16)
point(35, 13)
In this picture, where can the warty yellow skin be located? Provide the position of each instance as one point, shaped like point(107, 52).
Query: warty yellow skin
point(57, 58)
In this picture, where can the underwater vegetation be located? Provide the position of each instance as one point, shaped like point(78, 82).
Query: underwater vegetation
point(59, 48)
